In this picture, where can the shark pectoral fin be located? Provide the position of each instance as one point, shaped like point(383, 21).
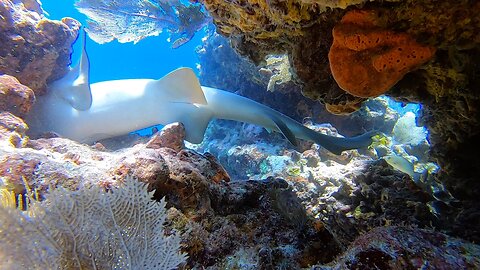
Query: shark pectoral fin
point(287, 133)
point(195, 122)
point(75, 86)
point(182, 85)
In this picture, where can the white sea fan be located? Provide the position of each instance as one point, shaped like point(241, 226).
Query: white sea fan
point(406, 131)
point(89, 229)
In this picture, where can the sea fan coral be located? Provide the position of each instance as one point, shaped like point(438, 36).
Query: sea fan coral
point(406, 131)
point(129, 21)
point(89, 229)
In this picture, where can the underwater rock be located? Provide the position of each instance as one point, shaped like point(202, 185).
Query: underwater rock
point(15, 97)
point(12, 130)
point(254, 224)
point(215, 218)
point(348, 194)
point(367, 60)
point(58, 161)
point(407, 248)
point(353, 198)
point(34, 49)
point(171, 136)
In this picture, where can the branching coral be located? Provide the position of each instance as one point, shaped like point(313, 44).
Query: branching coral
point(367, 60)
point(279, 66)
point(129, 21)
point(406, 130)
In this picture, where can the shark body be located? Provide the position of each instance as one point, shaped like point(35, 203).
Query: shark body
point(86, 113)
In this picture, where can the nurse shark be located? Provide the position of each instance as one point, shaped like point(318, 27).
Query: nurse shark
point(84, 112)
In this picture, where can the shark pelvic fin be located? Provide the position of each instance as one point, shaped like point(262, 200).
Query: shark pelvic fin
point(182, 86)
point(287, 133)
point(75, 86)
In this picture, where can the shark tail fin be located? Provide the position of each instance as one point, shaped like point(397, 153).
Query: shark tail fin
point(337, 145)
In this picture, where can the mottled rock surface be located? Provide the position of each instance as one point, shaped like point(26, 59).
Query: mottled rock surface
point(15, 97)
point(171, 136)
point(407, 248)
point(34, 49)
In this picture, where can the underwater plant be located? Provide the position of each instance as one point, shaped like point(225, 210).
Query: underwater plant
point(89, 229)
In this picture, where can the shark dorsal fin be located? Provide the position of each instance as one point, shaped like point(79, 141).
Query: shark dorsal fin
point(75, 86)
point(183, 86)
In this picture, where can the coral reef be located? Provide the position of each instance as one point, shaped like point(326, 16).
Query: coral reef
point(406, 131)
point(446, 86)
point(407, 248)
point(296, 207)
point(350, 194)
point(278, 67)
point(129, 21)
point(34, 49)
point(366, 60)
point(216, 219)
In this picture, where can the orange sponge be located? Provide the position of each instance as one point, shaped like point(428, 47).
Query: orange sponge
point(367, 60)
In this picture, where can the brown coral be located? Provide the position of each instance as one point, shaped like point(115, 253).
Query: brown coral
point(366, 60)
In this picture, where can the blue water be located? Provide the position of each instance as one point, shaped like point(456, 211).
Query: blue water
point(152, 57)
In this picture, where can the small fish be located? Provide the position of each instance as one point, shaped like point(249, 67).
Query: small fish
point(400, 163)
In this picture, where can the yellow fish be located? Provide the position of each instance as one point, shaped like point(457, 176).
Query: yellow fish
point(400, 163)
